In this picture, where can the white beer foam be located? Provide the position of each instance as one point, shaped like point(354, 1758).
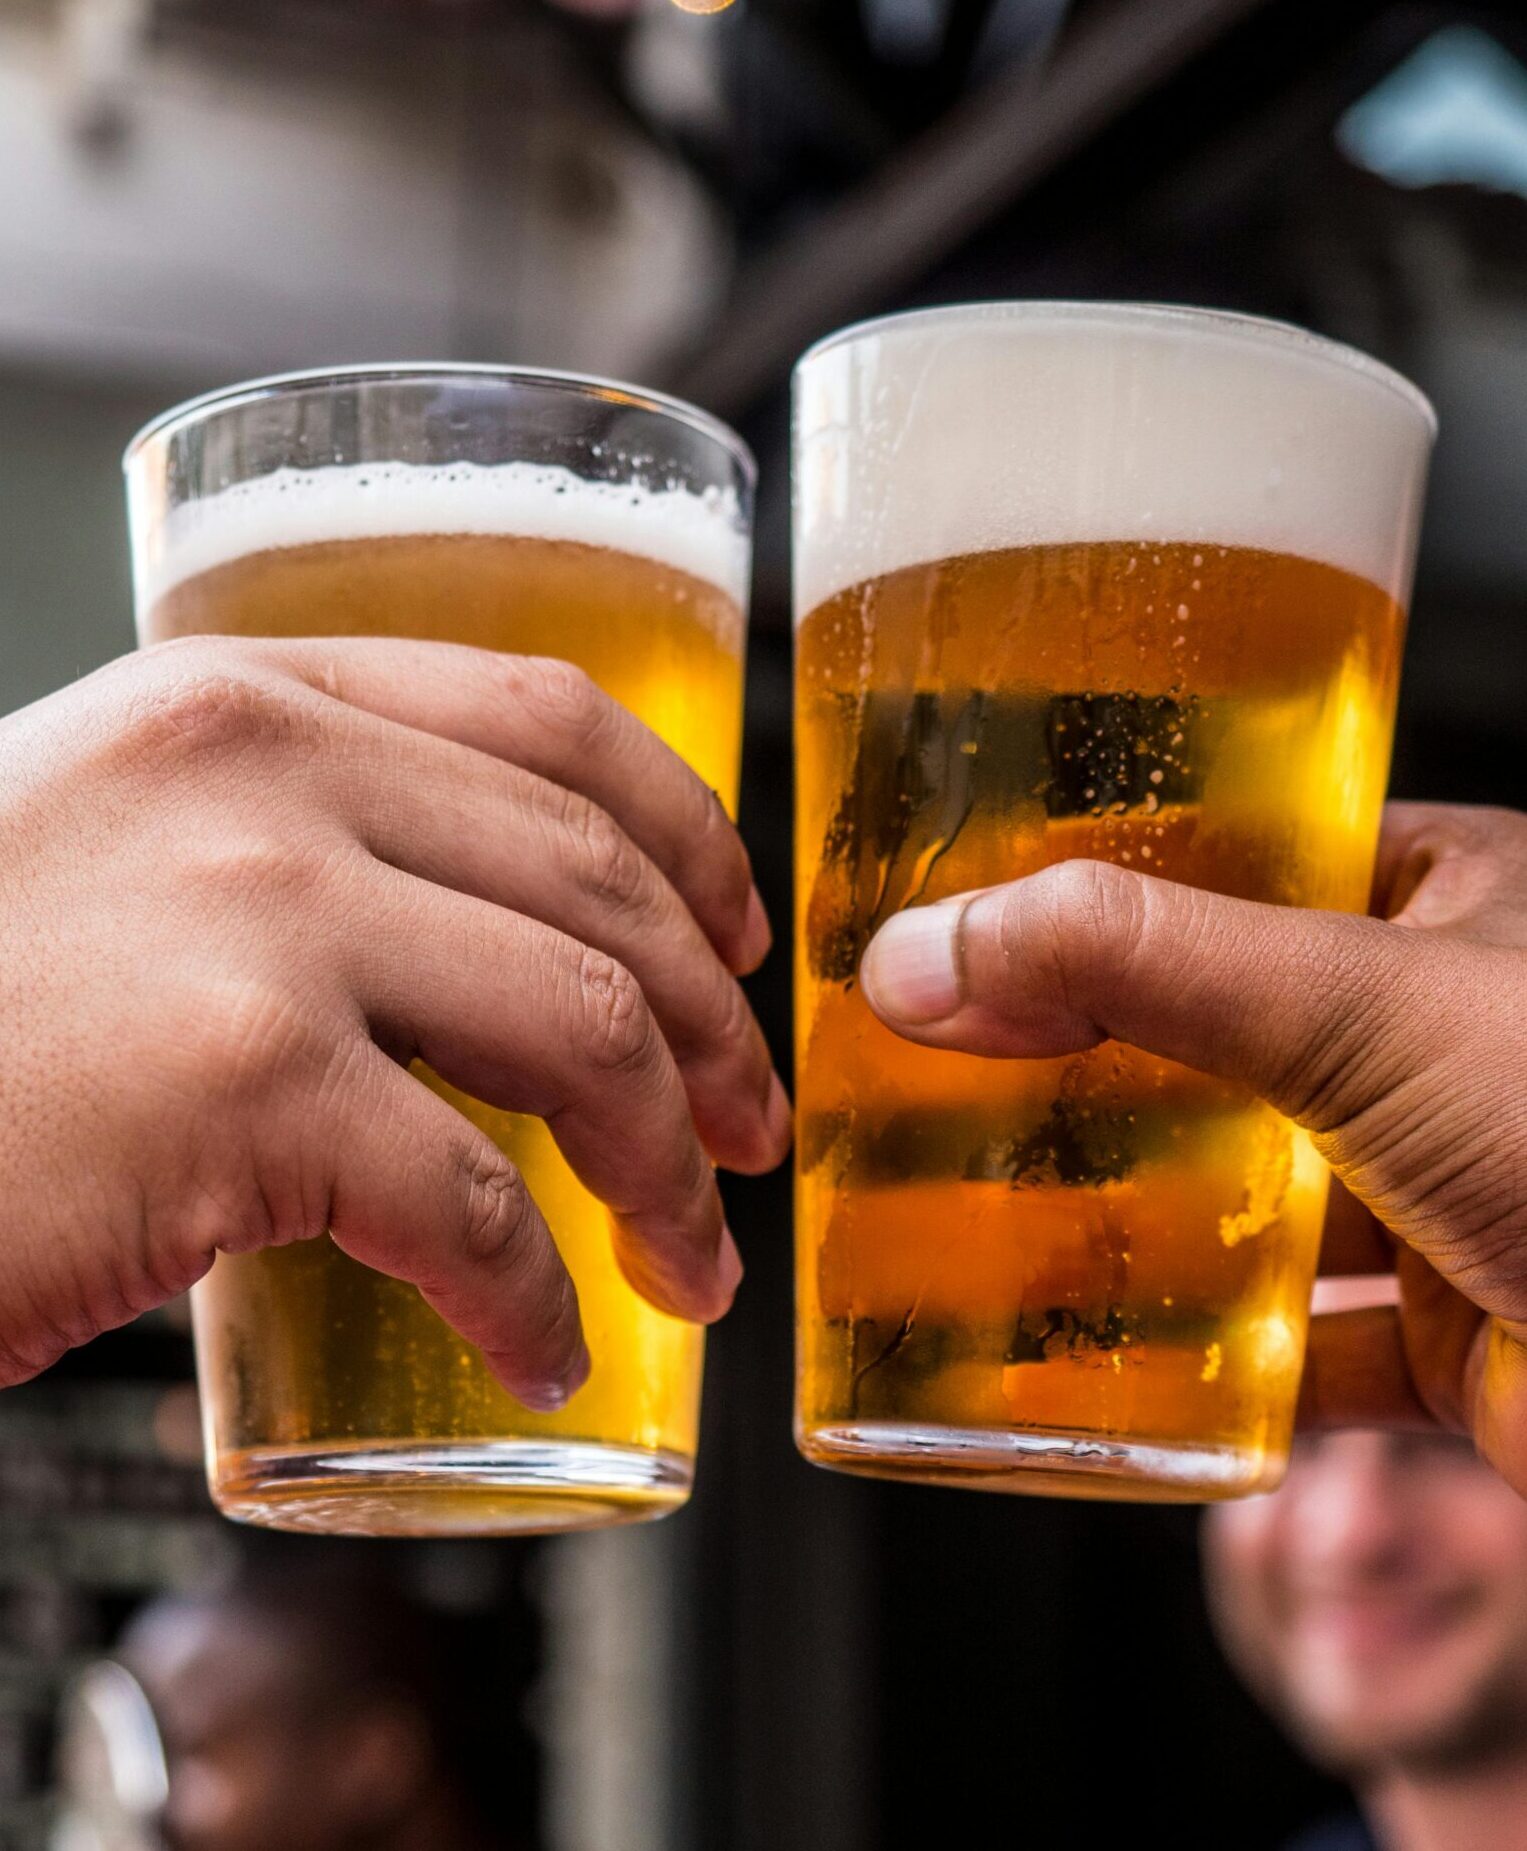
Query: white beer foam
point(1019, 424)
point(695, 533)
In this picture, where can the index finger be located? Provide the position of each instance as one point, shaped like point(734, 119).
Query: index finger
point(1354, 1242)
point(1356, 1374)
point(1453, 866)
point(550, 718)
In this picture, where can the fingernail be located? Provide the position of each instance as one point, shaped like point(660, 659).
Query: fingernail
point(550, 1397)
point(757, 934)
point(910, 972)
point(728, 1264)
point(545, 1397)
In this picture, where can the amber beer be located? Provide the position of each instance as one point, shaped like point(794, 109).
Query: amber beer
point(1123, 584)
point(335, 1398)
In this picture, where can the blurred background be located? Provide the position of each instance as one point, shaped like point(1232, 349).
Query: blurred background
point(193, 191)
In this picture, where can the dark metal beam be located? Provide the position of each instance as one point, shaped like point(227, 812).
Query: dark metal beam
point(927, 200)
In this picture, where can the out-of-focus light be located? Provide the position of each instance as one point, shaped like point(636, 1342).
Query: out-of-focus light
point(1454, 112)
point(620, 9)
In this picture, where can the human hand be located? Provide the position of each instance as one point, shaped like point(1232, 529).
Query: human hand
point(244, 883)
point(1398, 1041)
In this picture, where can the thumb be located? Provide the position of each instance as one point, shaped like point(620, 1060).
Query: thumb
point(1320, 1013)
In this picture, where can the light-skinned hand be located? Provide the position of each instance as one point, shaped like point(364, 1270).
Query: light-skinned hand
point(244, 883)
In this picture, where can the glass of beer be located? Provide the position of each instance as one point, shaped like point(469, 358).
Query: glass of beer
point(514, 510)
point(1074, 580)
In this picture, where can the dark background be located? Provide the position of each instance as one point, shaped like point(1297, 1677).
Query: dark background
point(850, 1665)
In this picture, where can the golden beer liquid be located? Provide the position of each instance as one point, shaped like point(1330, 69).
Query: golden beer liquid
point(1104, 1259)
point(303, 1350)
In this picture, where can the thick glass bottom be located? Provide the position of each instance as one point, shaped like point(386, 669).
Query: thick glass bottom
point(1052, 1463)
point(490, 1487)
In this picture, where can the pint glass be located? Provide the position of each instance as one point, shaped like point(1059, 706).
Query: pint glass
point(1074, 580)
point(516, 511)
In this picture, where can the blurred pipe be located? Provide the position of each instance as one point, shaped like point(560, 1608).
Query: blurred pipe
point(101, 42)
point(604, 1713)
point(927, 201)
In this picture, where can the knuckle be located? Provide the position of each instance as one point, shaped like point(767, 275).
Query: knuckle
point(1080, 893)
point(281, 873)
point(498, 1214)
point(1063, 939)
point(569, 697)
point(261, 1040)
point(619, 1033)
point(611, 868)
point(1077, 911)
point(211, 713)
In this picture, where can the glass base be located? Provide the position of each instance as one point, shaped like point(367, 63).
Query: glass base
point(457, 1488)
point(1040, 1463)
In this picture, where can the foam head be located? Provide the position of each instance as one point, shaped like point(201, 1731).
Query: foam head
point(702, 534)
point(964, 430)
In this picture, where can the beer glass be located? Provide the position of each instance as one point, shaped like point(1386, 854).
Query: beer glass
point(1126, 583)
point(514, 510)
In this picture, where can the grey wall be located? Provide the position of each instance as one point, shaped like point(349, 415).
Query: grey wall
point(65, 598)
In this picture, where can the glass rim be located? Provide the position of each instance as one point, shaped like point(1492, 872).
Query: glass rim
point(1254, 330)
point(589, 385)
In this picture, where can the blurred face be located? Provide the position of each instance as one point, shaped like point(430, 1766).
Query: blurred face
point(1378, 1601)
point(257, 1759)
